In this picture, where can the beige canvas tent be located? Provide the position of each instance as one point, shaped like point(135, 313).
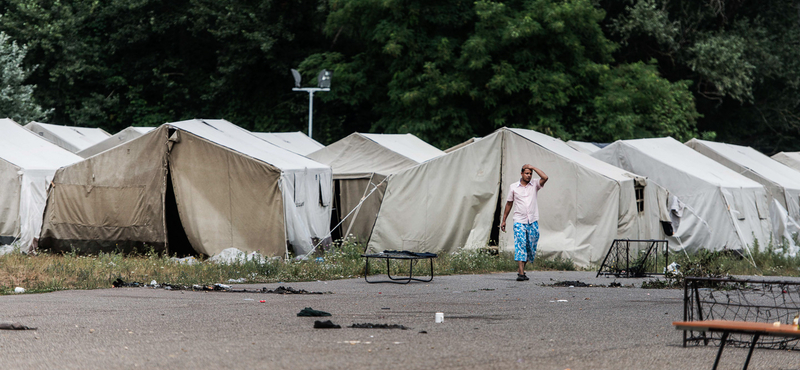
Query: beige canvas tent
point(72, 138)
point(296, 142)
point(205, 185)
point(27, 164)
point(455, 201)
point(719, 208)
point(360, 163)
point(790, 159)
point(781, 182)
point(119, 138)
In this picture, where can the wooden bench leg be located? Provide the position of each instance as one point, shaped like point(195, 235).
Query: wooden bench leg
point(722, 342)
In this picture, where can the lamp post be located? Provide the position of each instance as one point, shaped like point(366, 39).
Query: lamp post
point(323, 84)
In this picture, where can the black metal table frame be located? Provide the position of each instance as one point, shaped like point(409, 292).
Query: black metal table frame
point(398, 256)
point(725, 332)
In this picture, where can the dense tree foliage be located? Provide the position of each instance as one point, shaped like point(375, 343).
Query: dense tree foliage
point(743, 57)
point(455, 69)
point(115, 63)
point(16, 98)
point(444, 70)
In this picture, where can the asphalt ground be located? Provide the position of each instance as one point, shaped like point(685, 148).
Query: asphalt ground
point(491, 321)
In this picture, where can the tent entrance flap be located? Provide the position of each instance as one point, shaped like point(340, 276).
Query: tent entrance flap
point(494, 235)
point(336, 211)
point(177, 242)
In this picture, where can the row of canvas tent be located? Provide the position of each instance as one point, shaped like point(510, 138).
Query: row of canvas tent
point(206, 185)
point(194, 186)
point(629, 190)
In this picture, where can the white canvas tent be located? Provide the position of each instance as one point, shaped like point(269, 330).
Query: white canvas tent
point(71, 138)
point(296, 142)
point(360, 163)
point(121, 137)
point(724, 210)
point(583, 147)
point(27, 164)
point(455, 201)
point(781, 182)
point(205, 185)
point(790, 159)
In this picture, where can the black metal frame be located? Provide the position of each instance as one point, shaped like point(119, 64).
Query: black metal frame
point(755, 333)
point(412, 260)
point(700, 303)
point(620, 266)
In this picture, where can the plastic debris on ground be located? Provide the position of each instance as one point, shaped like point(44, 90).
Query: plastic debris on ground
point(239, 280)
point(377, 326)
point(235, 255)
point(673, 268)
point(185, 260)
point(327, 324)
point(19, 290)
point(14, 326)
point(308, 311)
point(6, 249)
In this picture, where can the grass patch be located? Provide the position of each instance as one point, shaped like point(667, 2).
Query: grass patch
point(769, 261)
point(46, 272)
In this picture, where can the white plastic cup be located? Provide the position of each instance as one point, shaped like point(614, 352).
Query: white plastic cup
point(439, 317)
point(19, 290)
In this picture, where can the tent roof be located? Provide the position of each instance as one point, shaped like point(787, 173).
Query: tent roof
point(123, 136)
point(406, 145)
point(238, 139)
point(297, 142)
point(583, 146)
point(359, 154)
point(790, 159)
point(78, 137)
point(673, 153)
point(747, 157)
point(28, 150)
point(563, 150)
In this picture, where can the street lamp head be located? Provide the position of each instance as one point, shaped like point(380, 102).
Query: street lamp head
point(297, 78)
point(324, 79)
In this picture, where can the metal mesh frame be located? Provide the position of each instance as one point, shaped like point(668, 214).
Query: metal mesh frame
point(740, 300)
point(635, 258)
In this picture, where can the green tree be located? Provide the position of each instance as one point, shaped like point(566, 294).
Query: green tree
point(116, 63)
point(742, 57)
point(16, 100)
point(454, 69)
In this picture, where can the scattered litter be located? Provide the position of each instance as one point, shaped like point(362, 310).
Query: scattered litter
point(423, 332)
point(439, 317)
point(235, 255)
point(385, 308)
point(6, 249)
point(308, 311)
point(14, 326)
point(377, 326)
point(561, 300)
point(19, 290)
point(121, 283)
point(487, 289)
point(216, 287)
point(239, 280)
point(673, 268)
point(327, 324)
point(262, 301)
point(185, 260)
point(572, 284)
point(249, 299)
point(153, 283)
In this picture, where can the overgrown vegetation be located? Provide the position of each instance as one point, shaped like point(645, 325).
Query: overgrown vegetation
point(769, 261)
point(50, 272)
